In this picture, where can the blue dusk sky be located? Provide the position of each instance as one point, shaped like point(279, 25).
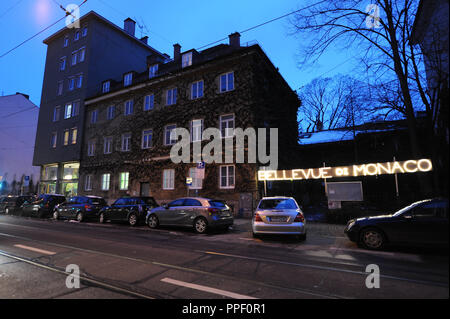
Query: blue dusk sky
point(193, 24)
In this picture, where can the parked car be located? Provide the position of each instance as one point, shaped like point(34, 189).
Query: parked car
point(279, 216)
point(196, 212)
point(128, 209)
point(43, 206)
point(421, 223)
point(11, 205)
point(80, 208)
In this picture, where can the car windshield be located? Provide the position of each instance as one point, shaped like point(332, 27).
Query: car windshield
point(280, 203)
point(407, 208)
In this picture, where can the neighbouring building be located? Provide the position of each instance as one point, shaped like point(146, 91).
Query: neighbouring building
point(17, 132)
point(127, 138)
point(80, 62)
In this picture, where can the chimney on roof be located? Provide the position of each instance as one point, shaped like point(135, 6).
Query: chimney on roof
point(145, 39)
point(176, 51)
point(235, 40)
point(129, 25)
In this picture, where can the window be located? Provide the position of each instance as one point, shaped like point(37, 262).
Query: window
point(126, 142)
point(227, 176)
point(169, 136)
point(153, 71)
point(196, 130)
point(91, 148)
point(81, 54)
point(71, 83)
point(128, 79)
point(107, 145)
point(80, 81)
point(88, 183)
point(227, 82)
point(105, 181)
point(171, 97)
point(76, 37)
point(68, 111)
point(53, 139)
point(227, 125)
point(192, 202)
point(169, 179)
point(60, 88)
point(147, 138)
point(196, 182)
point(106, 86)
point(110, 112)
point(74, 58)
point(128, 107)
point(56, 113)
point(75, 108)
point(84, 32)
point(197, 90)
point(74, 135)
point(62, 64)
point(66, 41)
point(94, 116)
point(66, 137)
point(149, 102)
point(186, 60)
point(124, 180)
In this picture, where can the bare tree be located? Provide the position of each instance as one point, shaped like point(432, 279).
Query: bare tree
point(381, 33)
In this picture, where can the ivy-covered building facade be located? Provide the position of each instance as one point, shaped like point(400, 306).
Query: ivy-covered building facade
point(128, 125)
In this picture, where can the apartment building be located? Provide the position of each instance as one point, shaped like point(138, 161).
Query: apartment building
point(127, 140)
point(78, 60)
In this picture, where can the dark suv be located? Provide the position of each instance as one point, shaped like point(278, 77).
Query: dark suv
point(11, 205)
point(128, 209)
point(43, 206)
point(80, 208)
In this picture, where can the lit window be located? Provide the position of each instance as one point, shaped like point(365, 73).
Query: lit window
point(149, 102)
point(227, 176)
point(153, 71)
point(105, 181)
point(105, 87)
point(196, 182)
point(53, 139)
point(196, 130)
point(169, 136)
point(56, 113)
point(124, 180)
point(186, 60)
point(169, 179)
point(107, 145)
point(66, 137)
point(227, 82)
point(171, 97)
point(128, 107)
point(197, 90)
point(110, 112)
point(91, 148)
point(126, 142)
point(68, 111)
point(147, 138)
point(74, 135)
point(227, 125)
point(128, 79)
point(88, 183)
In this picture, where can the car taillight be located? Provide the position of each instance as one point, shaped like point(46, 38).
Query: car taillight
point(258, 218)
point(299, 218)
point(213, 210)
point(87, 206)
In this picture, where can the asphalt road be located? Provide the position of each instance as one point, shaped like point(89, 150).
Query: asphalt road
point(118, 261)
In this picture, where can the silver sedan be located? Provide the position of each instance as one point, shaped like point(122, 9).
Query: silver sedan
point(279, 215)
point(196, 212)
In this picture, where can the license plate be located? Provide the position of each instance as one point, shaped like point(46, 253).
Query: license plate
point(278, 219)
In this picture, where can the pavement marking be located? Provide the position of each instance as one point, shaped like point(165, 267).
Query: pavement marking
point(37, 250)
point(207, 289)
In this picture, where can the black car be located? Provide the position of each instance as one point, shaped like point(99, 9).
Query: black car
point(11, 205)
point(422, 223)
point(43, 206)
point(81, 208)
point(128, 209)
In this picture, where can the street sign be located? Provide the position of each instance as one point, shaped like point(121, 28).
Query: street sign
point(200, 165)
point(189, 181)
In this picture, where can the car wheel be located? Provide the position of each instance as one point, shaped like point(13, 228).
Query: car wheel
point(200, 225)
point(153, 221)
point(102, 218)
point(372, 238)
point(132, 219)
point(55, 215)
point(80, 217)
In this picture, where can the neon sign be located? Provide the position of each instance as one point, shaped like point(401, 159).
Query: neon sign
point(373, 169)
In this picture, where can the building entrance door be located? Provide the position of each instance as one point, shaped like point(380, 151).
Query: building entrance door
point(145, 189)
